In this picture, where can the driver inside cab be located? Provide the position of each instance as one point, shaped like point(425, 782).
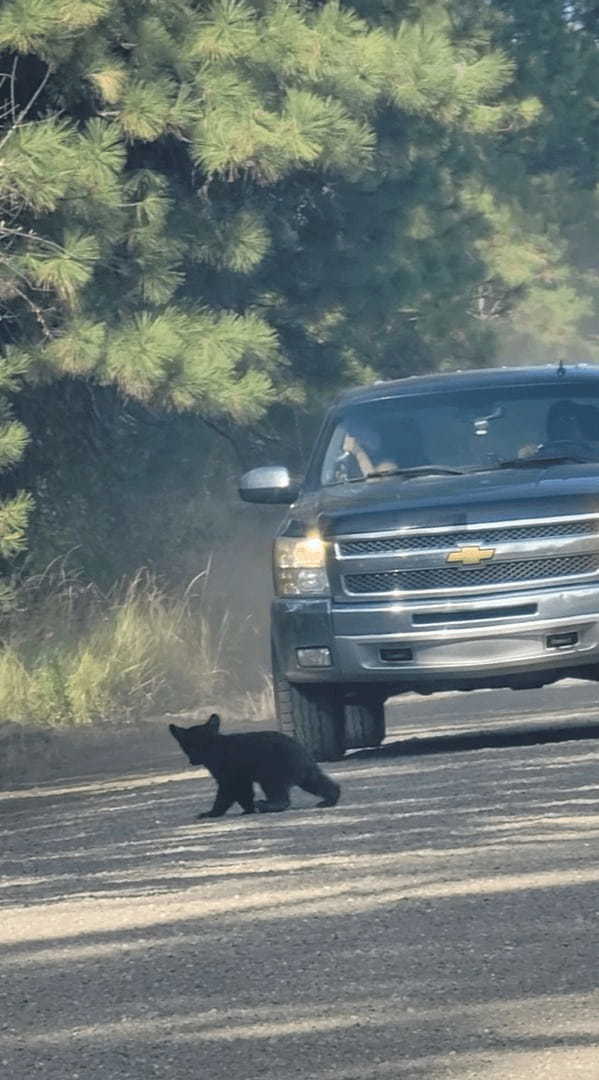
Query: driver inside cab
point(364, 447)
point(367, 450)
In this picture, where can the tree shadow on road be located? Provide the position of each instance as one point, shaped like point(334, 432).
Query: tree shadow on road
point(437, 923)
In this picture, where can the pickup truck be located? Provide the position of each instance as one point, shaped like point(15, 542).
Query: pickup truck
point(445, 536)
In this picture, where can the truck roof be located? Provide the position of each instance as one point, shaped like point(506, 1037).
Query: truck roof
point(468, 380)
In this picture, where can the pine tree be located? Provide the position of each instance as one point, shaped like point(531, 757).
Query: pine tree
point(223, 206)
point(236, 188)
point(542, 289)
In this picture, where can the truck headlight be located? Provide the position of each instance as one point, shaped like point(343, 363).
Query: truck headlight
point(300, 566)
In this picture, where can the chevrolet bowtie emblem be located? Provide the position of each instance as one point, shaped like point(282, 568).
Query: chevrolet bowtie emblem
point(470, 556)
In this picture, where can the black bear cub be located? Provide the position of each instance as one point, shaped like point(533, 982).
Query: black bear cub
point(237, 762)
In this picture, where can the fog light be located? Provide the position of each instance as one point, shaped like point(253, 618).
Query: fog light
point(396, 656)
point(562, 641)
point(314, 657)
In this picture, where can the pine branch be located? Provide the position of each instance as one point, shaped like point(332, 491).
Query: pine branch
point(20, 117)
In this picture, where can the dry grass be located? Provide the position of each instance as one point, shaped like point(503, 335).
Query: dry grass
point(73, 655)
point(260, 704)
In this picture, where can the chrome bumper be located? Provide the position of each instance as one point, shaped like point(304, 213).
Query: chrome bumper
point(481, 639)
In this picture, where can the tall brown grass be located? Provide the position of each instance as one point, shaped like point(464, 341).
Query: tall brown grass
point(71, 654)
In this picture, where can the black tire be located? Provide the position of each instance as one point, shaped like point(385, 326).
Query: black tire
point(311, 714)
point(364, 723)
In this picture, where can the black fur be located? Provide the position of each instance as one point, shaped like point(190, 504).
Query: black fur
point(237, 762)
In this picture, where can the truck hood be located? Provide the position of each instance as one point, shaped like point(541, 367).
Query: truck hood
point(394, 502)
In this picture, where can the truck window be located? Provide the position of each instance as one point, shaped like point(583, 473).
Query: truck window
point(463, 429)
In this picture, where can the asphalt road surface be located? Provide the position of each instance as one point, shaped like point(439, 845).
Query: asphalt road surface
point(441, 922)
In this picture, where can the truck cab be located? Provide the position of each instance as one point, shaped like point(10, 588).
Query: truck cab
point(445, 536)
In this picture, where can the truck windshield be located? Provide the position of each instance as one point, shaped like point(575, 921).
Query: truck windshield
point(463, 430)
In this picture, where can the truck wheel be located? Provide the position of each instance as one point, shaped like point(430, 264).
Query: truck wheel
point(311, 714)
point(364, 723)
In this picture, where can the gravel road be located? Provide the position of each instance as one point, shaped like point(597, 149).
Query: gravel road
point(441, 922)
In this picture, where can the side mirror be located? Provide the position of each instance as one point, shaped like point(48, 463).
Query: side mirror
point(269, 484)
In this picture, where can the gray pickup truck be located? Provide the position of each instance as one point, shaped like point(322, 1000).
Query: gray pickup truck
point(445, 537)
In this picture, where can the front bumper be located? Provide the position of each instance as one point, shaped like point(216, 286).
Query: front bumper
point(454, 643)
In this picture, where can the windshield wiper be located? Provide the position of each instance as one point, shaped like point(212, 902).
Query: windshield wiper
point(416, 470)
point(444, 470)
point(535, 462)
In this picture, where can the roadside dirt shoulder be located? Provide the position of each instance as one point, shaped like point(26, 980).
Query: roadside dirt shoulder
point(30, 755)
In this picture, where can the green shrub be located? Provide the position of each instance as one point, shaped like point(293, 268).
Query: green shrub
point(72, 655)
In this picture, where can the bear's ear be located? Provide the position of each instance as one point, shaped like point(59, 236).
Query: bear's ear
point(213, 723)
point(174, 730)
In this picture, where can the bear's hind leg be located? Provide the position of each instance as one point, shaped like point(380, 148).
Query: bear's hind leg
point(316, 782)
point(277, 797)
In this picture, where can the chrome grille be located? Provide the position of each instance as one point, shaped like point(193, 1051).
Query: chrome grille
point(460, 577)
point(487, 536)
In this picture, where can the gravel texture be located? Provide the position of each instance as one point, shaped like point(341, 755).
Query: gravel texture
point(441, 922)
